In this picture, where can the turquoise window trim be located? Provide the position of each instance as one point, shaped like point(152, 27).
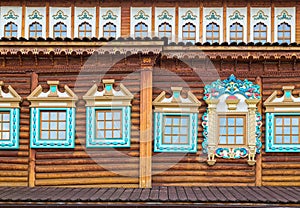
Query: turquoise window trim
point(270, 146)
point(93, 142)
point(37, 142)
point(158, 134)
point(14, 124)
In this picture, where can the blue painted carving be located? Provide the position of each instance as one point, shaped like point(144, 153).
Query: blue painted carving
point(85, 15)
point(14, 125)
point(36, 15)
point(109, 15)
point(158, 134)
point(37, 142)
point(60, 15)
point(189, 16)
point(93, 142)
point(212, 15)
point(271, 146)
point(10, 15)
point(231, 86)
point(260, 15)
point(236, 16)
point(141, 15)
point(205, 132)
point(284, 15)
point(165, 15)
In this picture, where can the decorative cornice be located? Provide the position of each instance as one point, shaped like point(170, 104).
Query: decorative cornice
point(165, 15)
point(141, 15)
point(260, 15)
point(284, 15)
point(213, 15)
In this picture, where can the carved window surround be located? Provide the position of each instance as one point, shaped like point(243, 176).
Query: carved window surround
point(231, 97)
point(52, 101)
point(284, 108)
point(176, 107)
point(10, 118)
point(108, 100)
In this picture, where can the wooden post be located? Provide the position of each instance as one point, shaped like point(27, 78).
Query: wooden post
point(258, 168)
point(176, 22)
point(248, 22)
point(97, 35)
point(47, 19)
point(23, 19)
point(298, 25)
point(32, 152)
point(146, 123)
point(224, 21)
point(272, 22)
point(73, 20)
point(201, 22)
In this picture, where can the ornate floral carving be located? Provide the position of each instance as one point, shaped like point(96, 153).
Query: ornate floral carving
point(284, 15)
point(60, 15)
point(35, 15)
point(189, 16)
point(165, 15)
point(212, 15)
point(260, 15)
point(236, 16)
point(141, 15)
point(10, 15)
point(109, 15)
point(85, 15)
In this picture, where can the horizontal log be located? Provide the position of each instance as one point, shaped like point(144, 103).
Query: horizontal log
point(224, 173)
point(13, 179)
point(82, 181)
point(281, 172)
point(13, 160)
point(125, 160)
point(285, 183)
point(14, 153)
point(203, 184)
point(281, 166)
point(193, 179)
point(274, 178)
point(88, 174)
point(80, 168)
point(14, 167)
point(288, 158)
point(4, 173)
point(11, 184)
point(102, 186)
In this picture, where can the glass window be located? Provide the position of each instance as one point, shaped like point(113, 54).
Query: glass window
point(53, 125)
point(4, 125)
point(165, 30)
point(109, 30)
point(189, 33)
point(141, 30)
point(236, 32)
point(84, 30)
point(212, 33)
point(60, 30)
point(10, 30)
point(232, 130)
point(284, 33)
point(109, 124)
point(35, 30)
point(176, 130)
point(260, 33)
point(287, 130)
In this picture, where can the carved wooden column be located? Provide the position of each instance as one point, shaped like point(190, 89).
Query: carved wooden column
point(146, 123)
point(32, 152)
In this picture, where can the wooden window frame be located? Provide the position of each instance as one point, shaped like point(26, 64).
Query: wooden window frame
point(164, 30)
point(283, 126)
point(50, 120)
point(60, 31)
point(105, 111)
point(141, 31)
point(227, 116)
point(212, 39)
point(2, 122)
point(171, 135)
point(109, 31)
point(284, 38)
point(10, 30)
point(84, 30)
point(235, 32)
point(259, 31)
point(35, 30)
point(188, 32)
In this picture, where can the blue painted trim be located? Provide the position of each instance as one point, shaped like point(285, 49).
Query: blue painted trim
point(270, 124)
point(158, 134)
point(93, 142)
point(14, 124)
point(37, 142)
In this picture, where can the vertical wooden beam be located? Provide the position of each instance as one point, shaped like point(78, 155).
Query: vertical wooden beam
point(224, 21)
point(298, 22)
point(146, 123)
point(72, 19)
point(272, 22)
point(23, 19)
point(258, 167)
point(153, 21)
point(248, 21)
point(176, 22)
point(97, 35)
point(32, 152)
point(201, 22)
point(47, 18)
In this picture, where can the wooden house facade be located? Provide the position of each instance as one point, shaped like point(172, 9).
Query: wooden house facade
point(92, 95)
